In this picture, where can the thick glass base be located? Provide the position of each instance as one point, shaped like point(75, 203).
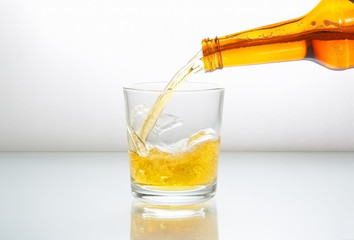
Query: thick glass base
point(173, 197)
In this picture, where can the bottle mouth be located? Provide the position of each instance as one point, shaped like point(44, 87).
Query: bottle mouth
point(212, 54)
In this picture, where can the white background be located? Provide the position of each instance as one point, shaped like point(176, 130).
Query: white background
point(63, 65)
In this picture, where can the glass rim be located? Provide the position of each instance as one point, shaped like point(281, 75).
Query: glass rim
point(159, 87)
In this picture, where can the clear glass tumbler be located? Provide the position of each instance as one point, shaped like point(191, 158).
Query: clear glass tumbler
point(174, 145)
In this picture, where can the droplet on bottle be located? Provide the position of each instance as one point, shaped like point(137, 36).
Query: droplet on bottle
point(329, 23)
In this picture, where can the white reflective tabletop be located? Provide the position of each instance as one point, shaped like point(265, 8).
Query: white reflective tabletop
point(265, 196)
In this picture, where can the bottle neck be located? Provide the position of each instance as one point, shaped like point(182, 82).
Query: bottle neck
point(324, 35)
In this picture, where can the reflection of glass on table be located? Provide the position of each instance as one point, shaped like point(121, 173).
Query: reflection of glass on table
point(188, 222)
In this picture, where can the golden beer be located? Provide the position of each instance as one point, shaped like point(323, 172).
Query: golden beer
point(162, 170)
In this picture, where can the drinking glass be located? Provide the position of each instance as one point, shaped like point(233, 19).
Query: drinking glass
point(175, 160)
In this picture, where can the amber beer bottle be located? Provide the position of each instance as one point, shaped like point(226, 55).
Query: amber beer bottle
point(324, 35)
